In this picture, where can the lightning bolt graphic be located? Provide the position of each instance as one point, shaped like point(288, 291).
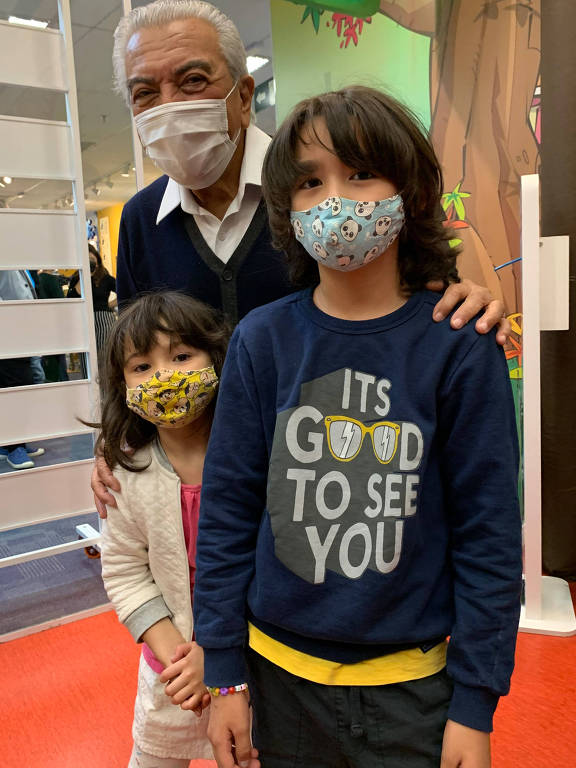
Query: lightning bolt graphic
point(385, 441)
point(347, 436)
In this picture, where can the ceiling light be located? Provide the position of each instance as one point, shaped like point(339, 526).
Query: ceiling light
point(7, 179)
point(28, 22)
point(2, 185)
point(255, 62)
point(20, 195)
point(97, 191)
point(126, 172)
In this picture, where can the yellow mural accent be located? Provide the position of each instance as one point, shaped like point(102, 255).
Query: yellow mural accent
point(112, 213)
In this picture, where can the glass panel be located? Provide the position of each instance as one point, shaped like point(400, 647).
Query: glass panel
point(42, 369)
point(43, 453)
point(31, 10)
point(35, 194)
point(38, 284)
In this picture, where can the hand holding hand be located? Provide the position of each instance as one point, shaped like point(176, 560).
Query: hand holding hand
point(184, 677)
point(465, 747)
point(180, 652)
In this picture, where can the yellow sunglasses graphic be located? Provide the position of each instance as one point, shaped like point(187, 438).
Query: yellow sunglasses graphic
point(346, 435)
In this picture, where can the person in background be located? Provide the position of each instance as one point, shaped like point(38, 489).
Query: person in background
point(49, 283)
point(359, 494)
point(103, 285)
point(203, 227)
point(163, 362)
point(17, 285)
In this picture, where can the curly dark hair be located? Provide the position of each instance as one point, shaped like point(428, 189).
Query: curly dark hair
point(370, 131)
point(185, 320)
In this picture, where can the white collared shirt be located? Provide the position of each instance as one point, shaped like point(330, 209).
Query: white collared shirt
point(224, 236)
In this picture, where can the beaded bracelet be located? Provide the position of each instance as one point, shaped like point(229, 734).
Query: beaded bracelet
point(218, 691)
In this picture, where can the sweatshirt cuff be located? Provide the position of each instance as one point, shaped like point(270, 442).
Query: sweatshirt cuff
point(224, 666)
point(473, 707)
point(145, 616)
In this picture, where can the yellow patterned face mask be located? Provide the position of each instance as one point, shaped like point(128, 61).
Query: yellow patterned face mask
point(173, 398)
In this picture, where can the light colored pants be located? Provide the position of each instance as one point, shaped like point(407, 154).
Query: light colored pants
point(139, 759)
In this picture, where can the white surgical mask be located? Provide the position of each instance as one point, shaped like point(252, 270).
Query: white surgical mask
point(189, 140)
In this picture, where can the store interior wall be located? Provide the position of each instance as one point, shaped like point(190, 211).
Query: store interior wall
point(106, 136)
point(559, 347)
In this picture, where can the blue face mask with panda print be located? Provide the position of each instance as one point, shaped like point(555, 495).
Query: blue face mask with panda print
point(347, 234)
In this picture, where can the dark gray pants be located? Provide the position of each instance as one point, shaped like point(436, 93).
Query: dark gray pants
point(302, 724)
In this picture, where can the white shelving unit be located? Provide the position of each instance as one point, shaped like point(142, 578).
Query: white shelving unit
point(37, 239)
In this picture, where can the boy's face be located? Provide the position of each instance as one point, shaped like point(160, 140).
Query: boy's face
point(138, 368)
point(328, 176)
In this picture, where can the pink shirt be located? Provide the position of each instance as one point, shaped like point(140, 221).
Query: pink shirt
point(190, 501)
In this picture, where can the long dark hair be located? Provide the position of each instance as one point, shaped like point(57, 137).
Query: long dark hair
point(185, 320)
point(100, 270)
point(370, 131)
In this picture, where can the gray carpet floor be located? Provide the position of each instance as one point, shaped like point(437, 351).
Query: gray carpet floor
point(42, 590)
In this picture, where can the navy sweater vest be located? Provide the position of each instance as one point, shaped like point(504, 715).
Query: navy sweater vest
point(173, 255)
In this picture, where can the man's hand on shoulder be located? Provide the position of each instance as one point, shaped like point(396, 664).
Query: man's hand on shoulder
point(465, 747)
point(474, 298)
point(103, 479)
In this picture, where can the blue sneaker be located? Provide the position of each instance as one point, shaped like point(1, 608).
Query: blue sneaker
point(19, 459)
point(32, 452)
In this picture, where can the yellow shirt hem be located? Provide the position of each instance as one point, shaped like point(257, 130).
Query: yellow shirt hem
point(399, 667)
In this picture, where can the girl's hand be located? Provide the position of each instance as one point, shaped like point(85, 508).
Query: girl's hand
point(180, 652)
point(184, 677)
point(465, 747)
point(474, 297)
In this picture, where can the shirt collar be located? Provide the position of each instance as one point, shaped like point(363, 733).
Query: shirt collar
point(251, 173)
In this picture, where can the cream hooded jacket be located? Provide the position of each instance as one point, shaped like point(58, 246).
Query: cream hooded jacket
point(144, 560)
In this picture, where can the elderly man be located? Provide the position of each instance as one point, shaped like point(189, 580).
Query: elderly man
point(202, 228)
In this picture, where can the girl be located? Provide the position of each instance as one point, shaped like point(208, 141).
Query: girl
point(355, 508)
point(163, 361)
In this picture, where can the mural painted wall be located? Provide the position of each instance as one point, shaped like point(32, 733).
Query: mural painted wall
point(317, 51)
point(471, 70)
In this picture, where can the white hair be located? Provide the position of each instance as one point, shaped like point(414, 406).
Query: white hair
point(162, 12)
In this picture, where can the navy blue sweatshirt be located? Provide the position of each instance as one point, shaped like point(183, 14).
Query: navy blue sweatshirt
point(173, 255)
point(360, 495)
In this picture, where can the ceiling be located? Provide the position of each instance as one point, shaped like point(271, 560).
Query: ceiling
point(104, 119)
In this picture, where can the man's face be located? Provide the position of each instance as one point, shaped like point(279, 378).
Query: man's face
point(182, 61)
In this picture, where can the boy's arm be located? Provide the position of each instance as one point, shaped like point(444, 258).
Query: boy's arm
point(126, 573)
point(233, 500)
point(479, 459)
